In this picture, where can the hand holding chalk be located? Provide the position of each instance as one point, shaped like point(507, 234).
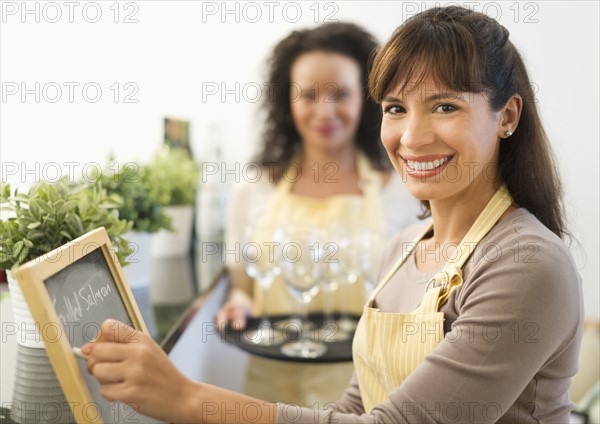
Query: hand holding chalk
point(79, 354)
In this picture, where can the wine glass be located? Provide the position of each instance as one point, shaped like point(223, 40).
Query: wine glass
point(302, 269)
point(362, 260)
point(351, 268)
point(369, 247)
point(262, 265)
point(330, 330)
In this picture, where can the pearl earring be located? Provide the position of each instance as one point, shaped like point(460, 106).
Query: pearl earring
point(509, 133)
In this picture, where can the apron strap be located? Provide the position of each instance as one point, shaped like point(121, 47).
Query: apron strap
point(451, 275)
point(490, 215)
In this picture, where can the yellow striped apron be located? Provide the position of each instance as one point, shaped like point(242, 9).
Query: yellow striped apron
point(354, 211)
point(388, 346)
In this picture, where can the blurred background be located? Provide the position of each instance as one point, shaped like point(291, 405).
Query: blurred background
point(81, 80)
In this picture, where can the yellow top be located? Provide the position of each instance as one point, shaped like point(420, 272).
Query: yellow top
point(362, 212)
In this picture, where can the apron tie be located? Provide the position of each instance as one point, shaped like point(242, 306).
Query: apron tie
point(447, 279)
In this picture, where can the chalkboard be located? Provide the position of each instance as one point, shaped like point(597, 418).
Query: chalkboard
point(71, 291)
point(84, 295)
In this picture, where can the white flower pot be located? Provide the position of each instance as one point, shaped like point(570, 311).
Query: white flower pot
point(178, 243)
point(138, 273)
point(37, 395)
point(167, 290)
point(27, 333)
point(139, 263)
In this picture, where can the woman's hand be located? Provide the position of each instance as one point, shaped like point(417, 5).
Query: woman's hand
point(132, 368)
point(234, 312)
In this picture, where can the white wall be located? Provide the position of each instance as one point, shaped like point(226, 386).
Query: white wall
point(177, 47)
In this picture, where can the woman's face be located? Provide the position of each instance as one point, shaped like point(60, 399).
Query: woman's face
point(326, 99)
point(443, 143)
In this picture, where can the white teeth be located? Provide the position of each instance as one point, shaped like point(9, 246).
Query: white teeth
point(427, 166)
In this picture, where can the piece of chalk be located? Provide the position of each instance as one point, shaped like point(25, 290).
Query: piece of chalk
point(77, 352)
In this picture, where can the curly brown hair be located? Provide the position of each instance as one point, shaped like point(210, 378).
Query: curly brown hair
point(280, 139)
point(468, 51)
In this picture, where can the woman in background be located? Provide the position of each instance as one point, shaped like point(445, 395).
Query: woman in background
point(323, 167)
point(479, 315)
point(321, 155)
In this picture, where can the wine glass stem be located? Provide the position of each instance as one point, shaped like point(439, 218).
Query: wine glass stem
point(304, 322)
point(327, 306)
point(264, 317)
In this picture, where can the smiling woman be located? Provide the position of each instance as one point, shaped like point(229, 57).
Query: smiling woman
point(476, 78)
point(447, 143)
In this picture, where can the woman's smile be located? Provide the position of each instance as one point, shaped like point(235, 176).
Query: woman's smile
point(425, 166)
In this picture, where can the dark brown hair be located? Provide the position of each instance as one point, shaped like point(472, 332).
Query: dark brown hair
point(280, 139)
point(468, 51)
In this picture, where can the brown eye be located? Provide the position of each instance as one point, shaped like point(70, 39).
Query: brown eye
point(393, 109)
point(445, 108)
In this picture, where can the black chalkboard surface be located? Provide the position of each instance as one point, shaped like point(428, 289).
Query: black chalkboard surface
point(84, 295)
point(71, 291)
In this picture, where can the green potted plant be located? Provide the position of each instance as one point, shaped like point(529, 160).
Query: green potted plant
point(174, 175)
point(141, 200)
point(33, 224)
point(50, 215)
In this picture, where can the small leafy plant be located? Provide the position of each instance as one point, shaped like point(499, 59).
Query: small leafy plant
point(175, 175)
point(140, 198)
point(50, 215)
